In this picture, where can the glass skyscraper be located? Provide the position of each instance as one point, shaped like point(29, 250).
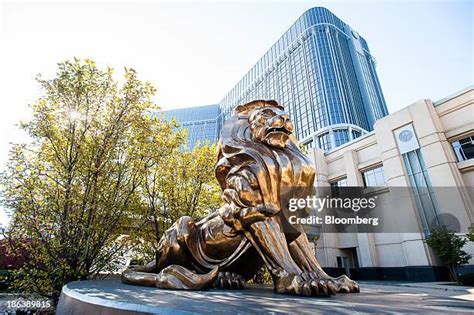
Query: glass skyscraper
point(322, 71)
point(201, 123)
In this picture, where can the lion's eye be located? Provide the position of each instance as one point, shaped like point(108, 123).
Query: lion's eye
point(268, 112)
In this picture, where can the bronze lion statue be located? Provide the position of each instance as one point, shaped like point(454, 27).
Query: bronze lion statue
point(259, 168)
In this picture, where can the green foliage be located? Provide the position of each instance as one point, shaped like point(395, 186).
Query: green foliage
point(470, 235)
point(5, 279)
point(179, 185)
point(99, 166)
point(449, 248)
point(303, 148)
point(262, 276)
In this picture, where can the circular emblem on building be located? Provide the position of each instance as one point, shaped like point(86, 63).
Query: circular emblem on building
point(405, 136)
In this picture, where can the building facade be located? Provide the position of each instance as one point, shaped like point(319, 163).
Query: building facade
point(322, 71)
point(200, 122)
point(427, 146)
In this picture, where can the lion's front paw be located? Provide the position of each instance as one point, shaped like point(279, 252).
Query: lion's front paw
point(345, 285)
point(229, 280)
point(306, 284)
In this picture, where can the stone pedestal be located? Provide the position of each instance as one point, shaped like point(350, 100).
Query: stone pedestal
point(113, 297)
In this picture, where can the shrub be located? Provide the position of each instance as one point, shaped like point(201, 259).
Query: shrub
point(262, 277)
point(448, 247)
point(470, 235)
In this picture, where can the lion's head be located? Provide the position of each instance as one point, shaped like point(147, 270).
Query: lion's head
point(268, 122)
point(258, 137)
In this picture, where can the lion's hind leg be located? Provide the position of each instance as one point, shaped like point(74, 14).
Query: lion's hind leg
point(172, 248)
point(172, 277)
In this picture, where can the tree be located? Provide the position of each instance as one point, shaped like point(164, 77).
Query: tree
point(178, 185)
point(75, 189)
point(449, 248)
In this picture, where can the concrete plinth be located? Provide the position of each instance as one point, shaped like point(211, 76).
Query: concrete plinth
point(113, 297)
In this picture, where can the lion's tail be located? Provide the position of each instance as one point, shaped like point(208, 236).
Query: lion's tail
point(172, 277)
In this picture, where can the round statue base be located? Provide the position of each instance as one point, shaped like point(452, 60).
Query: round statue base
point(114, 297)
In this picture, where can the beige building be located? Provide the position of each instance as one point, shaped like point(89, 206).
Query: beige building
point(425, 144)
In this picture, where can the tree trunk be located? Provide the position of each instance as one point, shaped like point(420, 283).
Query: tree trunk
point(454, 275)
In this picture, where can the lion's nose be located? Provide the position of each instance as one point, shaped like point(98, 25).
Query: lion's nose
point(285, 119)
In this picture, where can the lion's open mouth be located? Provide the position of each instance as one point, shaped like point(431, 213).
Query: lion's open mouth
point(278, 129)
point(277, 136)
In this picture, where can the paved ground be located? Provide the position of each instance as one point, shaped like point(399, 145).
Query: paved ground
point(375, 297)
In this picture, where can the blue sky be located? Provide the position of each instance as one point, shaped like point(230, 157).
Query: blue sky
point(194, 52)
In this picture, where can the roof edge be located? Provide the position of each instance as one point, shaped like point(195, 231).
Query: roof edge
point(453, 95)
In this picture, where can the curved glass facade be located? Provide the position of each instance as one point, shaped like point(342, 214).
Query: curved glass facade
point(201, 123)
point(323, 72)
